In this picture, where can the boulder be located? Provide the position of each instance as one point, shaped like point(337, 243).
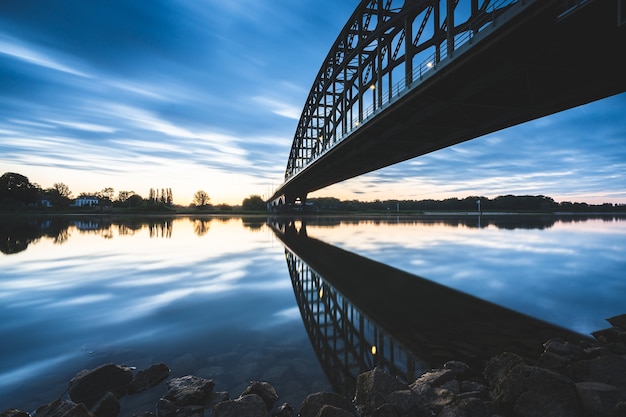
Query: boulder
point(618, 321)
point(189, 390)
point(468, 407)
point(332, 411)
point(108, 406)
point(148, 378)
point(264, 390)
point(313, 403)
point(246, 406)
point(530, 391)
point(599, 399)
point(63, 408)
point(89, 386)
point(609, 369)
point(372, 387)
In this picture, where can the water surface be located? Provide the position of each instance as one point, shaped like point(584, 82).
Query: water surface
point(214, 296)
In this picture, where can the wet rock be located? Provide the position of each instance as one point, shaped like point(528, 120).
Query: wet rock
point(618, 321)
point(89, 386)
point(599, 399)
point(284, 410)
point(610, 335)
point(166, 408)
point(313, 403)
point(372, 387)
point(63, 408)
point(467, 407)
point(459, 369)
point(108, 406)
point(529, 390)
point(436, 377)
point(404, 403)
point(189, 390)
point(13, 412)
point(264, 390)
point(148, 378)
point(609, 369)
point(332, 411)
point(216, 397)
point(246, 406)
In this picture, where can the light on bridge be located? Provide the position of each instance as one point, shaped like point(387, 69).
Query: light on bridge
point(429, 64)
point(373, 87)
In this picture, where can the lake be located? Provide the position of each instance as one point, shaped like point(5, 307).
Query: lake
point(302, 304)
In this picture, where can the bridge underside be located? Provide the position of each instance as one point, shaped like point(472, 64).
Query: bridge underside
point(534, 65)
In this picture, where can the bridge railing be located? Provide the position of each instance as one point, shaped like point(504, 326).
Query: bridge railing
point(425, 69)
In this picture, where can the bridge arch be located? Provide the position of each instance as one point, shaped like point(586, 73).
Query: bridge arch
point(384, 47)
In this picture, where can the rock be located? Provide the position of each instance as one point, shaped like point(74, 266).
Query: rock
point(610, 335)
point(313, 403)
point(473, 387)
point(246, 406)
point(13, 412)
point(166, 408)
point(458, 368)
point(216, 397)
point(563, 348)
point(63, 408)
point(599, 399)
point(148, 378)
point(332, 411)
point(89, 386)
point(498, 367)
point(436, 377)
point(609, 369)
point(284, 410)
point(264, 390)
point(372, 387)
point(405, 403)
point(468, 407)
point(189, 390)
point(618, 321)
point(531, 391)
point(108, 406)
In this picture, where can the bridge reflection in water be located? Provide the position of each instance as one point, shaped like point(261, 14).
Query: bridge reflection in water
point(361, 314)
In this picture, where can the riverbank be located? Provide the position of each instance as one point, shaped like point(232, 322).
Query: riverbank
point(569, 380)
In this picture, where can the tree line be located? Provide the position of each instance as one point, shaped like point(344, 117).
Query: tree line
point(527, 203)
point(17, 191)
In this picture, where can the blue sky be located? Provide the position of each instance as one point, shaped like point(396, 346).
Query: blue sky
point(206, 94)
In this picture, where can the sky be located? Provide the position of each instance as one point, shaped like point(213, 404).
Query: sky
point(206, 95)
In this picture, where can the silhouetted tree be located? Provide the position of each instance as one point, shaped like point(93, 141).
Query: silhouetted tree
point(16, 189)
point(253, 203)
point(201, 198)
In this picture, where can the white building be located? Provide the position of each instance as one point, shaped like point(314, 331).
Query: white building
point(86, 201)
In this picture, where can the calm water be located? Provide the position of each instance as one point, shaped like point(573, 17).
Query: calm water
point(221, 297)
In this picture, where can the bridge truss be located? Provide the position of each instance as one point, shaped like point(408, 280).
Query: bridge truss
point(385, 47)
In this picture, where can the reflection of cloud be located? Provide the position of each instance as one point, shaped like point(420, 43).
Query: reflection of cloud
point(26, 372)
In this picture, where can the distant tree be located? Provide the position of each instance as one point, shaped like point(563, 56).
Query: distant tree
point(134, 200)
point(253, 203)
point(201, 198)
point(16, 189)
point(59, 195)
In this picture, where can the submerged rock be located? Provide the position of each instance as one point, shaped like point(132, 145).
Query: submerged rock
point(89, 386)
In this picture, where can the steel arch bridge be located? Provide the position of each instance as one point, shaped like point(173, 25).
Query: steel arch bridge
point(380, 96)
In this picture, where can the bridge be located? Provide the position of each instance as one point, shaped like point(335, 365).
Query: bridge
point(408, 77)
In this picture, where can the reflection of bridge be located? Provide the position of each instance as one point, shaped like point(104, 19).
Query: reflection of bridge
point(405, 78)
point(350, 304)
point(346, 341)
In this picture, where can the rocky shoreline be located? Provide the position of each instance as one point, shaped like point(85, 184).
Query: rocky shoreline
point(567, 380)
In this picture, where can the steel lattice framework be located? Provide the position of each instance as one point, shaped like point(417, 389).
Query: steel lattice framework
point(385, 47)
point(346, 342)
